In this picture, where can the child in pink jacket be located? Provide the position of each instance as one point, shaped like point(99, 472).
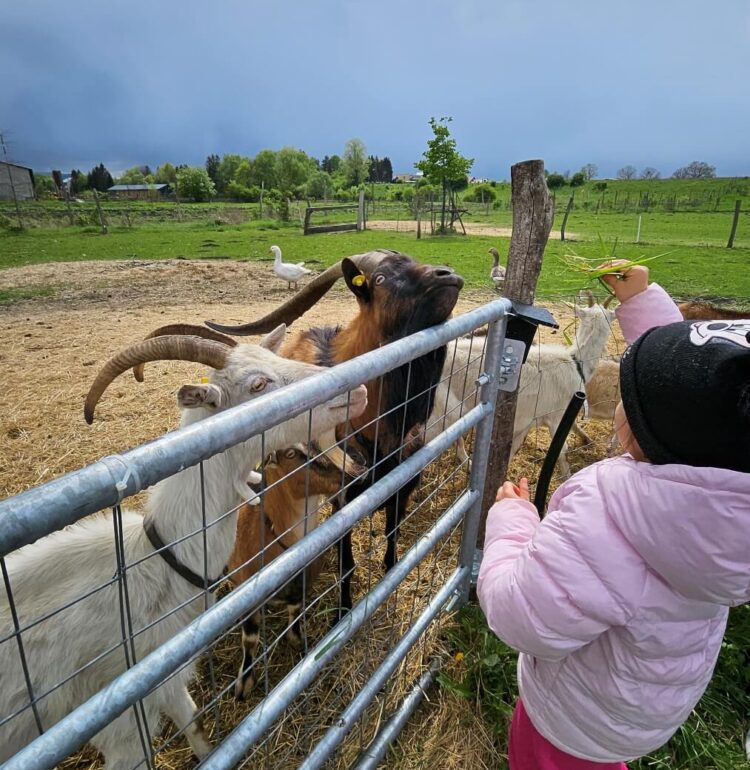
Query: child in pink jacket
point(618, 601)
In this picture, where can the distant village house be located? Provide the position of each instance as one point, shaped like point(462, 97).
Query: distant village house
point(410, 178)
point(139, 192)
point(16, 179)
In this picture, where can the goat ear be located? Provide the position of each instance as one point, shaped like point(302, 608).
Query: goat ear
point(355, 280)
point(272, 341)
point(194, 396)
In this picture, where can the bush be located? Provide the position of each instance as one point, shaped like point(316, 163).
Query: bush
point(577, 179)
point(600, 186)
point(241, 192)
point(555, 181)
point(481, 193)
point(194, 184)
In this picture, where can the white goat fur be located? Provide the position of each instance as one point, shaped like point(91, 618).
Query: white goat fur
point(58, 568)
point(549, 378)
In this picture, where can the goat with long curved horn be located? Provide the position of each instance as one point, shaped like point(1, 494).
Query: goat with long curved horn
point(303, 300)
point(183, 329)
point(173, 347)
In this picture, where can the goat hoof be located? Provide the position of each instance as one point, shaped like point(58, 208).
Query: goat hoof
point(243, 687)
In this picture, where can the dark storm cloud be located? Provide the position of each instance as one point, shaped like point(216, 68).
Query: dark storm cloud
point(641, 83)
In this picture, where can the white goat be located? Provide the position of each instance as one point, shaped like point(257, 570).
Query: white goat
point(67, 564)
point(549, 378)
point(602, 395)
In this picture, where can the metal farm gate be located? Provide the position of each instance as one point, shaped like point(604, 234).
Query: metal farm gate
point(358, 679)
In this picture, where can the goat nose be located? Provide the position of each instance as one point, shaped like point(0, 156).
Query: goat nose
point(442, 272)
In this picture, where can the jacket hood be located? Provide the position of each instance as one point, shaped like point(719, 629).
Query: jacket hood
point(690, 525)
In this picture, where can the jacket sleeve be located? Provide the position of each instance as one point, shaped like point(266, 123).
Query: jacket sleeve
point(536, 587)
point(644, 311)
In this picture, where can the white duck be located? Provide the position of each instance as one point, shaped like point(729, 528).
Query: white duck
point(286, 271)
point(497, 274)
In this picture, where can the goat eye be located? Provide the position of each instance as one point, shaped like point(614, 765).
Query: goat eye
point(258, 384)
point(379, 279)
point(290, 453)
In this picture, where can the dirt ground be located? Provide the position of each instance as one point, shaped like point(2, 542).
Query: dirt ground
point(51, 349)
point(472, 228)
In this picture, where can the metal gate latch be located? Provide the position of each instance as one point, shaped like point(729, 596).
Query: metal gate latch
point(510, 364)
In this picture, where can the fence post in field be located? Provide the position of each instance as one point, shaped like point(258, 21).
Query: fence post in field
point(735, 220)
point(638, 232)
point(66, 195)
point(102, 221)
point(361, 211)
point(532, 221)
point(564, 222)
point(419, 221)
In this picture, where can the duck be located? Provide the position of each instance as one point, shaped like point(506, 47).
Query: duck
point(497, 274)
point(287, 271)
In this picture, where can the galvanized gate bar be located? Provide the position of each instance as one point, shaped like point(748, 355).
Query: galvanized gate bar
point(71, 732)
point(348, 718)
point(252, 727)
point(374, 753)
point(52, 506)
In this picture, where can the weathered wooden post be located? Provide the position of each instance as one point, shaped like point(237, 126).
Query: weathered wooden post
point(565, 218)
point(102, 220)
point(361, 211)
point(735, 220)
point(532, 221)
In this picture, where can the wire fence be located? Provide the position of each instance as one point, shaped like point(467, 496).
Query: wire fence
point(103, 632)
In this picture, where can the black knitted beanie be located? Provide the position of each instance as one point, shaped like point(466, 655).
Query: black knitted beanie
point(686, 393)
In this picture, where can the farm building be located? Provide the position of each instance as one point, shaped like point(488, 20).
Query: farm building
point(16, 178)
point(412, 178)
point(146, 192)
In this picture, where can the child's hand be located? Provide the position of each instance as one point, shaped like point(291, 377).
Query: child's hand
point(509, 491)
point(626, 283)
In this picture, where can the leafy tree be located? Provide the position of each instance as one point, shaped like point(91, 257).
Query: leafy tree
point(600, 186)
point(44, 186)
point(441, 163)
point(244, 174)
point(650, 173)
point(627, 172)
point(78, 181)
point(212, 167)
point(194, 184)
point(354, 162)
point(226, 171)
point(241, 192)
point(481, 193)
point(319, 185)
point(330, 165)
point(577, 179)
point(133, 175)
point(264, 165)
point(292, 169)
point(555, 181)
point(166, 174)
point(99, 178)
point(698, 169)
point(589, 171)
point(386, 170)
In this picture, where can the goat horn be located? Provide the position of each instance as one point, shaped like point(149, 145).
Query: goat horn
point(304, 299)
point(173, 347)
point(607, 302)
point(590, 297)
point(183, 329)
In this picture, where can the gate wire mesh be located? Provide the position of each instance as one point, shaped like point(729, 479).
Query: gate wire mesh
point(79, 614)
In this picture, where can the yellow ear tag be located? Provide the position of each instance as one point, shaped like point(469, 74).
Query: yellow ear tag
point(204, 380)
point(358, 280)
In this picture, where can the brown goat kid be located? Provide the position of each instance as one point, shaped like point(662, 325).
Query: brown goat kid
point(706, 311)
point(397, 296)
point(266, 531)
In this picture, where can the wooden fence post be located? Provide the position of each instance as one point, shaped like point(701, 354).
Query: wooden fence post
point(565, 218)
point(102, 220)
point(532, 221)
point(66, 195)
point(735, 220)
point(361, 211)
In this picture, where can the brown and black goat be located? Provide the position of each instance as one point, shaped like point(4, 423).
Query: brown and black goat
point(397, 296)
point(700, 310)
point(265, 531)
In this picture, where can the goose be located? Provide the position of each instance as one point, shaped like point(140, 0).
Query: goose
point(286, 271)
point(497, 274)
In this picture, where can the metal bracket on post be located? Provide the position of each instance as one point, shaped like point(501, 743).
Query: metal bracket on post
point(514, 352)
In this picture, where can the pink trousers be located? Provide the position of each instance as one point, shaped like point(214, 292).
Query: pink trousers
point(529, 750)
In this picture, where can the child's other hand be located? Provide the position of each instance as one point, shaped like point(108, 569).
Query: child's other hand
point(628, 282)
point(509, 491)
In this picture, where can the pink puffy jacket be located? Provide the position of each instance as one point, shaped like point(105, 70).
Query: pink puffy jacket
point(618, 601)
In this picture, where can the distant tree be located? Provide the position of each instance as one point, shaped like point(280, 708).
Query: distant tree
point(241, 192)
point(44, 186)
point(590, 170)
point(212, 167)
point(354, 162)
point(481, 193)
point(244, 174)
point(698, 169)
point(293, 167)
point(577, 179)
point(226, 171)
point(99, 178)
point(386, 170)
point(330, 165)
point(264, 165)
point(650, 173)
point(194, 184)
point(373, 168)
point(442, 163)
point(627, 172)
point(166, 174)
point(319, 185)
point(133, 175)
point(600, 186)
point(78, 182)
point(555, 181)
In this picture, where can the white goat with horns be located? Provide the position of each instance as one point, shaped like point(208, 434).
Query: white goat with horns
point(549, 378)
point(69, 564)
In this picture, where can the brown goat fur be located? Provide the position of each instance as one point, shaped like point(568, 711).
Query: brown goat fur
point(697, 310)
